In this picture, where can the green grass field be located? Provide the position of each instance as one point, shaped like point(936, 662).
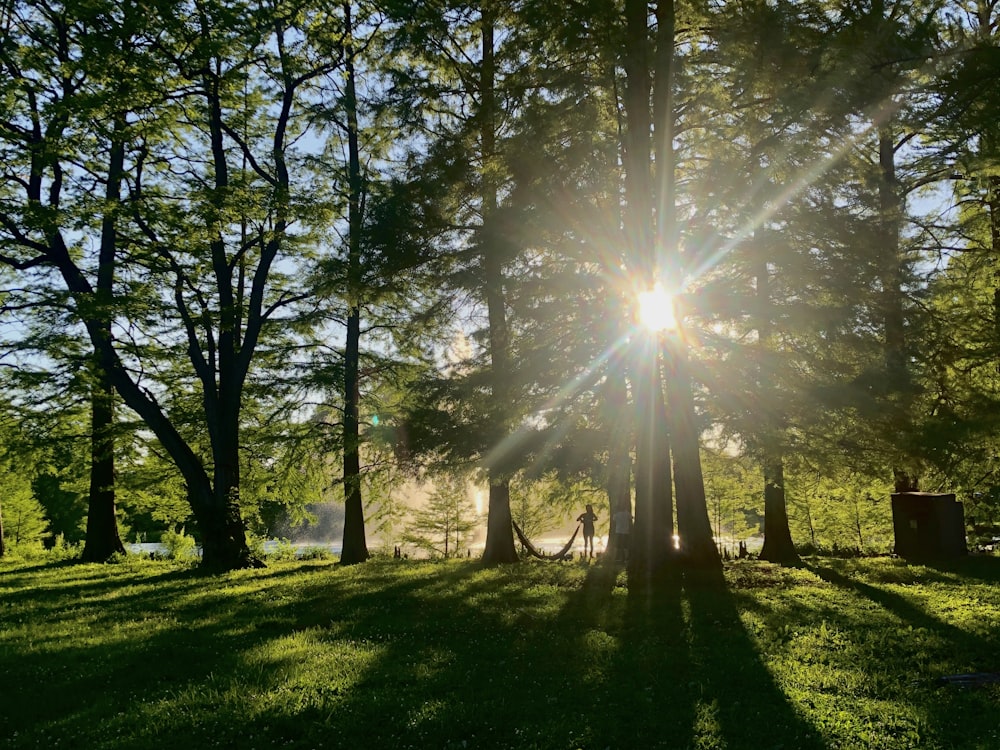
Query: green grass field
point(408, 654)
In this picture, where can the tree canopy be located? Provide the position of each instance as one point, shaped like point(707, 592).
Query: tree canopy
point(284, 249)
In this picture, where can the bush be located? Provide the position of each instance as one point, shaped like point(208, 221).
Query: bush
point(32, 550)
point(179, 545)
point(63, 550)
point(280, 549)
point(316, 553)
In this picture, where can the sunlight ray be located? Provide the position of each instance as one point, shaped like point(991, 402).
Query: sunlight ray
point(795, 187)
point(581, 380)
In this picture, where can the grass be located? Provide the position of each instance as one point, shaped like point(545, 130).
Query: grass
point(411, 654)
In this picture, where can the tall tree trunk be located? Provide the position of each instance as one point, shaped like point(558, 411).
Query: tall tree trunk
point(3, 544)
point(897, 370)
point(650, 543)
point(220, 522)
point(355, 547)
point(619, 457)
point(653, 528)
point(694, 527)
point(993, 208)
point(103, 540)
point(499, 527)
point(778, 546)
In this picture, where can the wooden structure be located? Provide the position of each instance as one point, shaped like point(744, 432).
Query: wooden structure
point(928, 525)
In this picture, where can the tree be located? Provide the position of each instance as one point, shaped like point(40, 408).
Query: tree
point(444, 523)
point(102, 537)
point(732, 489)
point(462, 85)
point(25, 522)
point(214, 121)
point(354, 548)
point(652, 232)
point(22, 517)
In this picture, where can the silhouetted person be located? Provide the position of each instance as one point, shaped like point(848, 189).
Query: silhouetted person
point(587, 518)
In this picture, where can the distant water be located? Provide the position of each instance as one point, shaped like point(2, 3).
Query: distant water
point(147, 548)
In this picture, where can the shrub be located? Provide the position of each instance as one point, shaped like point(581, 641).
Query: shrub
point(179, 545)
point(316, 553)
point(280, 549)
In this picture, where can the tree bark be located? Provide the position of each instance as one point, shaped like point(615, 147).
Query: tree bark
point(619, 457)
point(650, 543)
point(499, 528)
point(652, 534)
point(102, 540)
point(355, 548)
point(694, 527)
point(778, 546)
point(897, 370)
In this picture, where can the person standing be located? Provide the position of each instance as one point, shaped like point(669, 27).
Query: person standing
point(587, 518)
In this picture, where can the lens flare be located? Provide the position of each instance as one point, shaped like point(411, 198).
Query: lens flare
point(656, 309)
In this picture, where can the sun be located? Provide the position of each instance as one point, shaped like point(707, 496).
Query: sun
point(656, 309)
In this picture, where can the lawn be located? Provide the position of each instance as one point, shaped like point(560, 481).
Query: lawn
point(408, 654)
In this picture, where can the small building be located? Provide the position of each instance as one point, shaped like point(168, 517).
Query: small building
point(928, 525)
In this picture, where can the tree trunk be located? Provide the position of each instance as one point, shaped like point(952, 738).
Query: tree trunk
point(897, 369)
point(619, 457)
point(3, 544)
point(778, 546)
point(694, 527)
point(355, 546)
point(499, 528)
point(652, 533)
point(103, 540)
point(223, 533)
point(993, 209)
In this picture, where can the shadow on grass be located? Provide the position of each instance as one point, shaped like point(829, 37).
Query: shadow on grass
point(394, 654)
point(937, 647)
point(736, 691)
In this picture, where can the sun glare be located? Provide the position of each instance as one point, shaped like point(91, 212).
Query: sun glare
point(656, 309)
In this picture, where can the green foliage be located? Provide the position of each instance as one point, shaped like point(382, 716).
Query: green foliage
point(150, 492)
point(315, 553)
point(25, 524)
point(180, 546)
point(280, 549)
point(790, 236)
point(840, 510)
point(442, 525)
point(734, 495)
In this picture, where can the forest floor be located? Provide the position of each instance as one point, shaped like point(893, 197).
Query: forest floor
point(415, 654)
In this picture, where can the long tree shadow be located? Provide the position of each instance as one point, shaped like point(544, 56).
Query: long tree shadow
point(938, 648)
point(737, 694)
point(418, 655)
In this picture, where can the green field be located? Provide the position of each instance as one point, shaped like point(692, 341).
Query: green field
point(408, 654)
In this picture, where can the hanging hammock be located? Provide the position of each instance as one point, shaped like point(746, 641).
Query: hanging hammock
point(563, 554)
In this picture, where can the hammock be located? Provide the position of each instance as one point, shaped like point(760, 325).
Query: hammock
point(973, 679)
point(563, 554)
